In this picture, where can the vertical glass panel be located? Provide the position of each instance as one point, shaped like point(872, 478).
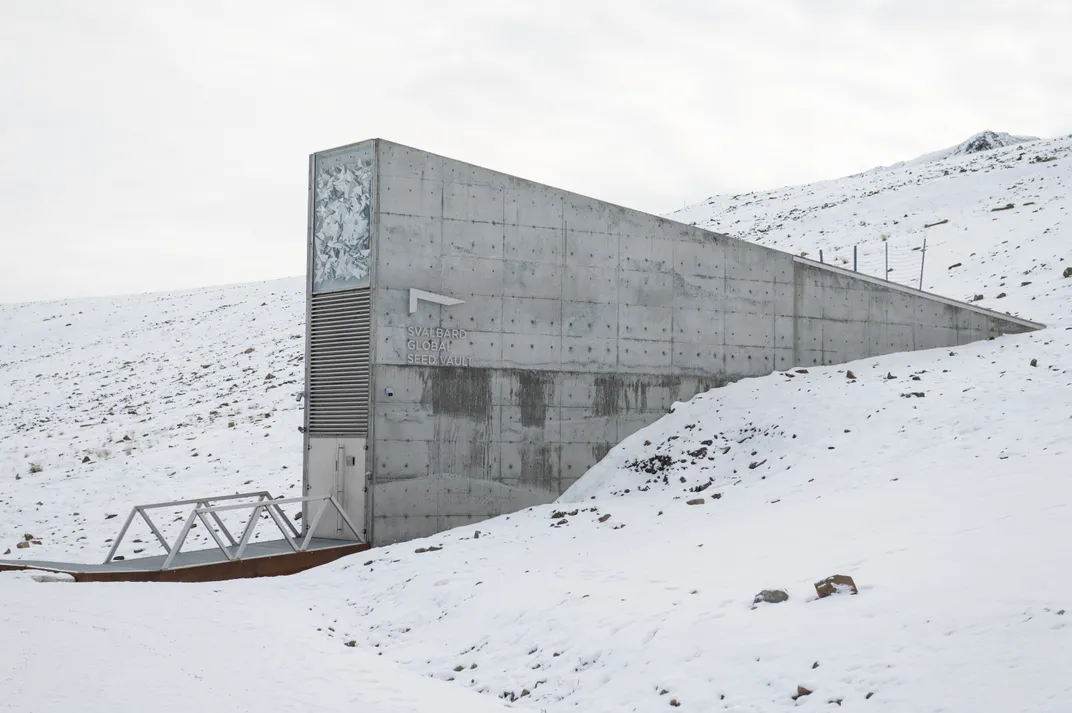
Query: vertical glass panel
point(342, 215)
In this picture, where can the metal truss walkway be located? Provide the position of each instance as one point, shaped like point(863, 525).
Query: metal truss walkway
point(231, 558)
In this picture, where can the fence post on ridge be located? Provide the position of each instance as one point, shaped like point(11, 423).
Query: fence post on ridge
point(922, 260)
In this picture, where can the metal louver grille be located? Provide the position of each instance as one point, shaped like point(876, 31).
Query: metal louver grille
point(339, 363)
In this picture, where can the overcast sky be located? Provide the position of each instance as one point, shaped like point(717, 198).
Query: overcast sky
point(150, 144)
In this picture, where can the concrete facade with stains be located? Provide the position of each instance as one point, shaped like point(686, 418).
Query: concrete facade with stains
point(580, 323)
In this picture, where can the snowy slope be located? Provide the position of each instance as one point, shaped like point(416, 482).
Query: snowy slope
point(994, 251)
point(983, 141)
point(159, 393)
point(938, 480)
point(175, 649)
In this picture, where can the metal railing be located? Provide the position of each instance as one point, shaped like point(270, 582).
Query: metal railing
point(234, 549)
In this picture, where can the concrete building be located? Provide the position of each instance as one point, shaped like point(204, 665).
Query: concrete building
point(477, 341)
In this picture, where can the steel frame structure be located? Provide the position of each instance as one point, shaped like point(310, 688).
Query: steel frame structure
point(203, 510)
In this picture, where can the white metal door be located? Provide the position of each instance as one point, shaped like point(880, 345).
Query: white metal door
point(337, 468)
point(351, 493)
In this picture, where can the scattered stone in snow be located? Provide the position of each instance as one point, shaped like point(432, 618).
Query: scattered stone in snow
point(1034, 362)
point(849, 374)
point(22, 545)
point(1068, 272)
point(801, 692)
point(956, 264)
point(771, 596)
point(695, 501)
point(604, 518)
point(835, 584)
point(430, 548)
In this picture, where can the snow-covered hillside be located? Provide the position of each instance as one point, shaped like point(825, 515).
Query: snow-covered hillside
point(998, 224)
point(977, 143)
point(112, 402)
point(937, 480)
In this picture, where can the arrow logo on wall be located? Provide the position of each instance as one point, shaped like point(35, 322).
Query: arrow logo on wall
point(415, 295)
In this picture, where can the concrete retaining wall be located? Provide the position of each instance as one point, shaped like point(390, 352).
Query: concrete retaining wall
point(581, 323)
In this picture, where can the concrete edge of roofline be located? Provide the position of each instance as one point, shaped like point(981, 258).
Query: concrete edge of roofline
point(714, 234)
point(796, 259)
point(913, 291)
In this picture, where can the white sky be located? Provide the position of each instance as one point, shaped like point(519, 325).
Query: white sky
point(160, 144)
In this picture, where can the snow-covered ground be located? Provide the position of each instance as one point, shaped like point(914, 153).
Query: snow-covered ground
point(136, 647)
point(149, 398)
point(938, 480)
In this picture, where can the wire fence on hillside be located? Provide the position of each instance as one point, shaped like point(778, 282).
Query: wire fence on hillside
point(899, 262)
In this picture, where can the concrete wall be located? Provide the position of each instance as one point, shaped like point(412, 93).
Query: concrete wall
point(582, 322)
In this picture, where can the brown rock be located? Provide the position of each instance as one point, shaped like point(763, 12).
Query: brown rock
point(771, 596)
point(674, 702)
point(695, 501)
point(248, 351)
point(23, 545)
point(351, 643)
point(801, 692)
point(802, 371)
point(1068, 272)
point(836, 584)
point(1034, 362)
point(604, 518)
point(869, 695)
point(849, 374)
